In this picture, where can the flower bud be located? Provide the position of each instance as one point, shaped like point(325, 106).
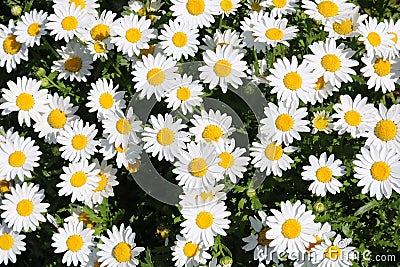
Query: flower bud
point(16, 10)
point(226, 261)
point(319, 207)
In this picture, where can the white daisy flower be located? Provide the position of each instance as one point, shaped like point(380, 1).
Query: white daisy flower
point(75, 63)
point(199, 13)
point(354, 117)
point(204, 222)
point(223, 67)
point(188, 254)
point(154, 75)
point(119, 248)
point(247, 25)
point(258, 242)
point(331, 61)
point(386, 129)
point(255, 5)
point(291, 81)
point(12, 52)
point(79, 180)
point(270, 157)
point(376, 38)
point(77, 141)
point(132, 34)
point(68, 21)
point(273, 31)
point(104, 98)
point(283, 123)
point(323, 173)
point(23, 207)
point(58, 114)
point(99, 49)
point(26, 98)
point(378, 169)
point(148, 7)
point(198, 167)
point(198, 196)
point(227, 7)
point(232, 161)
point(322, 90)
point(11, 244)
point(383, 73)
point(121, 129)
point(125, 156)
point(31, 27)
point(165, 138)
point(185, 96)
point(346, 27)
point(78, 215)
point(281, 7)
point(211, 126)
point(227, 37)
point(179, 39)
point(74, 241)
point(107, 181)
point(327, 10)
point(336, 254)
point(18, 157)
point(93, 258)
point(292, 228)
point(322, 122)
point(394, 29)
point(89, 6)
point(102, 27)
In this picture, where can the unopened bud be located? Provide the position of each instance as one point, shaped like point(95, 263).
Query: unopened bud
point(40, 72)
point(319, 207)
point(226, 261)
point(251, 192)
point(16, 10)
point(44, 82)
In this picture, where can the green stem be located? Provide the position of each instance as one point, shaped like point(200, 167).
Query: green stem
point(220, 22)
point(50, 47)
point(181, 115)
point(256, 66)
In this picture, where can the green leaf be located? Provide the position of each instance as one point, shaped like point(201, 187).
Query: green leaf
point(367, 207)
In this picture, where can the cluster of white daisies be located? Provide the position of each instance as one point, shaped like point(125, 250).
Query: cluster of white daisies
point(205, 157)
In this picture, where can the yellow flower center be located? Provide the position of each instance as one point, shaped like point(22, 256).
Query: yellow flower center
point(6, 242)
point(320, 122)
point(195, 7)
point(352, 117)
point(198, 167)
point(100, 32)
point(226, 5)
point(123, 126)
point(133, 168)
point(255, 6)
point(57, 119)
point(97, 264)
point(273, 152)
point(395, 39)
point(122, 252)
point(292, 81)
point(74, 243)
point(291, 228)
point(312, 245)
point(320, 83)
point(284, 122)
point(25, 207)
point(11, 46)
point(79, 142)
point(101, 185)
point(83, 217)
point(262, 240)
point(69, 23)
point(34, 29)
point(17, 159)
point(374, 39)
point(380, 171)
point(133, 35)
point(155, 76)
point(142, 12)
point(99, 47)
point(274, 34)
point(190, 250)
point(183, 93)
point(330, 62)
point(328, 9)
point(212, 133)
point(165, 137)
point(204, 219)
point(324, 174)
point(78, 179)
point(106, 100)
point(382, 67)
point(279, 3)
point(332, 253)
point(25, 101)
point(80, 3)
point(386, 130)
point(222, 68)
point(119, 149)
point(179, 39)
point(73, 64)
point(344, 27)
point(227, 160)
point(148, 51)
point(5, 186)
point(206, 195)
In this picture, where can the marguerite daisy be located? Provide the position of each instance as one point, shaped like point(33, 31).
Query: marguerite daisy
point(336, 254)
point(125, 156)
point(102, 28)
point(107, 181)
point(281, 7)
point(26, 98)
point(199, 13)
point(11, 244)
point(327, 10)
point(247, 25)
point(346, 27)
point(31, 27)
point(378, 169)
point(99, 49)
point(394, 30)
point(322, 90)
point(89, 6)
point(23, 207)
point(228, 7)
point(227, 37)
point(188, 254)
point(255, 5)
